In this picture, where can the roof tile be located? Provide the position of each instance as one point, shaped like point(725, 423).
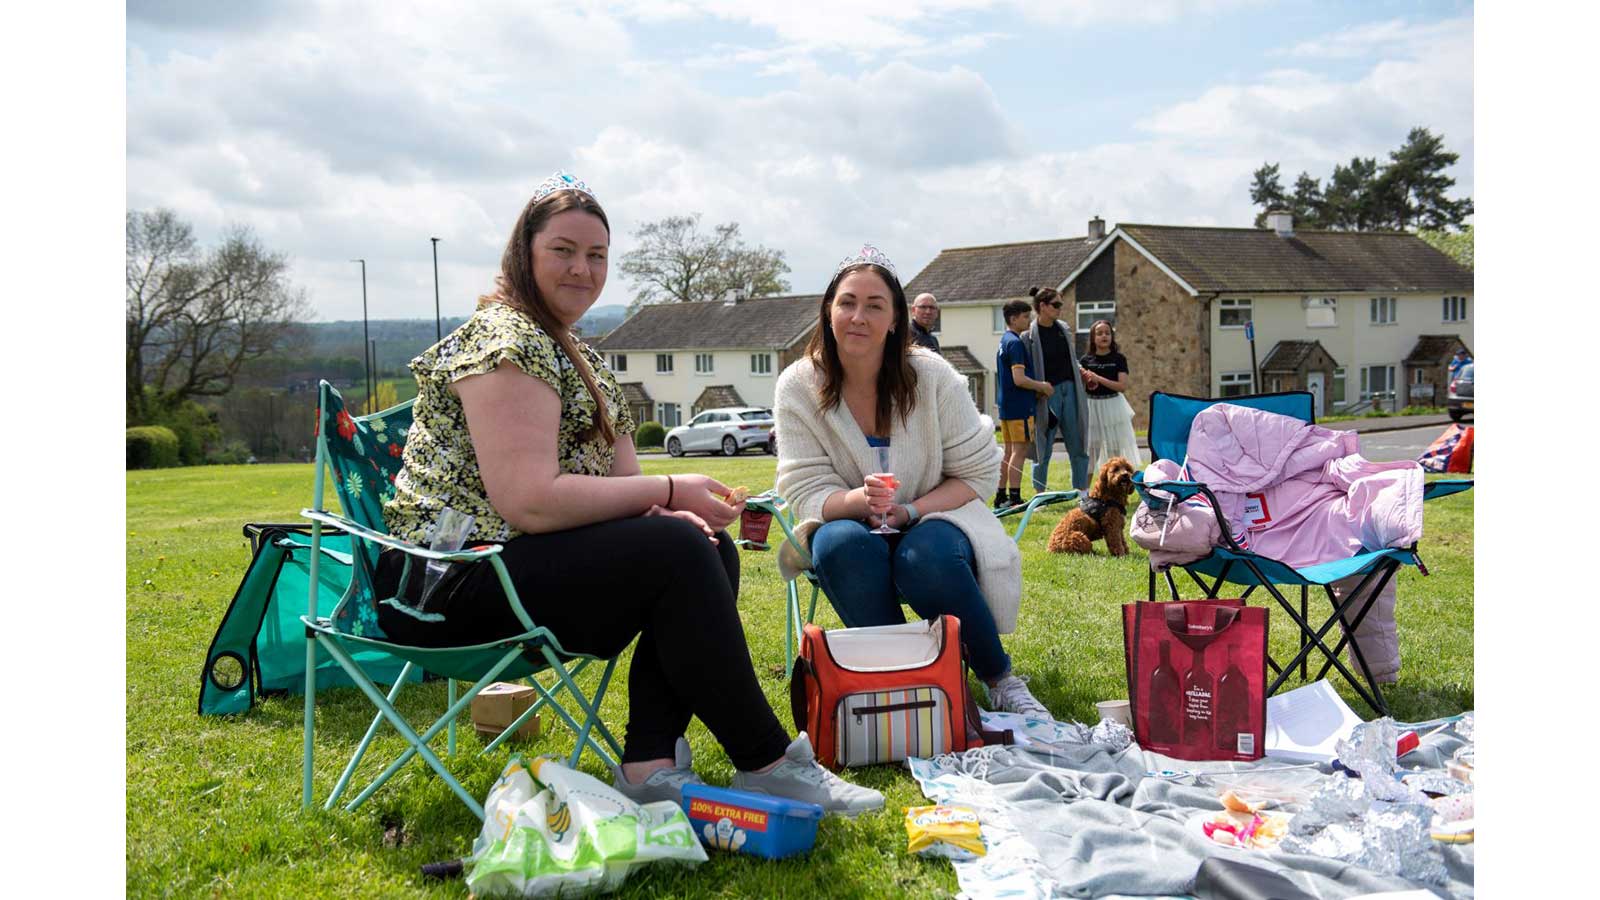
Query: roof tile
point(763, 322)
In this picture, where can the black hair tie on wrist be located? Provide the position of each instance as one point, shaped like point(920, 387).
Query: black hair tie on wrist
point(669, 492)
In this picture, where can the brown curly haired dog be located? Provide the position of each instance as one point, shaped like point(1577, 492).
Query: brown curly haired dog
point(1103, 514)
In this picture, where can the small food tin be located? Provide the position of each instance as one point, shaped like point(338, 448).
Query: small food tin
point(758, 824)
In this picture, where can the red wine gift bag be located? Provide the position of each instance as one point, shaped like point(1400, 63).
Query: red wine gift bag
point(1197, 677)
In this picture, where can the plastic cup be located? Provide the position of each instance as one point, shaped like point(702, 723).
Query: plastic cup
point(1116, 711)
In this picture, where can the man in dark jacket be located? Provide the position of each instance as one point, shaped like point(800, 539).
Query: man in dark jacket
point(924, 313)
point(1065, 411)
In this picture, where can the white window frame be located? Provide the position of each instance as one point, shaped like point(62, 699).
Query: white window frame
point(1383, 311)
point(761, 365)
point(1454, 309)
point(1230, 379)
point(1092, 310)
point(619, 362)
point(1338, 384)
point(1320, 304)
point(999, 317)
point(664, 358)
point(1367, 392)
point(710, 364)
point(665, 411)
point(1243, 305)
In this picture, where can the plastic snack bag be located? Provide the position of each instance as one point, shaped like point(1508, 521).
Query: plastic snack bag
point(948, 831)
point(548, 831)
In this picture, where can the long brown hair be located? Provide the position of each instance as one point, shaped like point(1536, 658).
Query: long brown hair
point(515, 287)
point(897, 381)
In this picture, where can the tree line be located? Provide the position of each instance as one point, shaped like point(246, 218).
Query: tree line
point(1407, 192)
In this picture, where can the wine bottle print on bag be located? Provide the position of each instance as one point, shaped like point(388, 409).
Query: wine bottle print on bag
point(1233, 706)
point(1198, 689)
point(1166, 699)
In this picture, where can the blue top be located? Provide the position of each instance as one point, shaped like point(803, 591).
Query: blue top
point(1015, 402)
point(877, 441)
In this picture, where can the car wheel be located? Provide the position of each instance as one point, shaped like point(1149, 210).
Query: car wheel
point(1456, 414)
point(730, 447)
point(674, 447)
point(772, 446)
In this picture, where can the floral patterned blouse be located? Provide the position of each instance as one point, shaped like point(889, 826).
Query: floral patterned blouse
point(440, 468)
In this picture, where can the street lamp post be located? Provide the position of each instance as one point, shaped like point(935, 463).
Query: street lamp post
point(366, 361)
point(438, 327)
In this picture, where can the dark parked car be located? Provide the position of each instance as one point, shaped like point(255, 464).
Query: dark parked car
point(1459, 401)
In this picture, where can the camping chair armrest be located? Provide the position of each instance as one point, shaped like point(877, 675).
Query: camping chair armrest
point(388, 540)
point(770, 502)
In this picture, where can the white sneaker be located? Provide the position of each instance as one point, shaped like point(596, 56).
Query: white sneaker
point(1011, 694)
point(663, 784)
point(798, 777)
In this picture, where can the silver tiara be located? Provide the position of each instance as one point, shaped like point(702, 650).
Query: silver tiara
point(868, 254)
point(560, 181)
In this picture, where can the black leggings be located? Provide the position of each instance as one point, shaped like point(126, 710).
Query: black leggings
point(595, 588)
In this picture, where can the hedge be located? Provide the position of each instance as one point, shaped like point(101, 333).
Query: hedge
point(152, 447)
point(650, 434)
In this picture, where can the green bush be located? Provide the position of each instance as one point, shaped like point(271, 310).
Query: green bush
point(195, 426)
point(650, 434)
point(233, 453)
point(152, 447)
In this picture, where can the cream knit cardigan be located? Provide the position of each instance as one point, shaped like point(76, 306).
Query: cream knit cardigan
point(823, 452)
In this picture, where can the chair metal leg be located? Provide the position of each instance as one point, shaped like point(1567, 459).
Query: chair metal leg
point(1315, 641)
point(1305, 613)
point(791, 612)
point(366, 740)
point(450, 732)
point(588, 710)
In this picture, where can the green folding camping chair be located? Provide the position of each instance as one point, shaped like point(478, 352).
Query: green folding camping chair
point(363, 455)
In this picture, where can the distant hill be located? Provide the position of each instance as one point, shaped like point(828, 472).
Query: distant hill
point(400, 340)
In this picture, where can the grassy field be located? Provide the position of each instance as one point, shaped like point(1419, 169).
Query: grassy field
point(213, 804)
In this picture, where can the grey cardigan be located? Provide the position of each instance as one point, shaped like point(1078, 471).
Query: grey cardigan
point(1041, 409)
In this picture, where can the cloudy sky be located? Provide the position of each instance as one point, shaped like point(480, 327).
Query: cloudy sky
point(360, 129)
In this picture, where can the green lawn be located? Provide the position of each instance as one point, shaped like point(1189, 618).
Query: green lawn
point(213, 804)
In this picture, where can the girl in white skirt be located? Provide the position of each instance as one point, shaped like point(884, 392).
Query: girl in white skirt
point(1105, 378)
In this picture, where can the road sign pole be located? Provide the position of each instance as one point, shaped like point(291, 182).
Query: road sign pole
point(1255, 373)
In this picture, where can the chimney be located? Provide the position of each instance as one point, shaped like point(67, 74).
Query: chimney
point(1281, 222)
point(732, 296)
point(1097, 230)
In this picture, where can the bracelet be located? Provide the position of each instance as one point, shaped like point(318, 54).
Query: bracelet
point(669, 492)
point(911, 513)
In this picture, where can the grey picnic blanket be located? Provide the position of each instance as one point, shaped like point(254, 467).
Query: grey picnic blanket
point(1088, 821)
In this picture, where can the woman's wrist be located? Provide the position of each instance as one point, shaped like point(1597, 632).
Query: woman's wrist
point(911, 513)
point(668, 504)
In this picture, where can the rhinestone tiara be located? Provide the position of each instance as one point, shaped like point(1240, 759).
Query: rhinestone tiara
point(560, 181)
point(868, 254)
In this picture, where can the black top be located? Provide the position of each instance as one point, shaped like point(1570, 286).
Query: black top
point(923, 338)
point(1106, 367)
point(1057, 355)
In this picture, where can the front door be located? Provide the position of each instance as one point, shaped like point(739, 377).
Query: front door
point(1314, 385)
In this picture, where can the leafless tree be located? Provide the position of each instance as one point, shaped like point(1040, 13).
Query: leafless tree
point(195, 318)
point(675, 262)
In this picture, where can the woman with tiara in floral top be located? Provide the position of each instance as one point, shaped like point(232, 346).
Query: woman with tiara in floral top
point(523, 427)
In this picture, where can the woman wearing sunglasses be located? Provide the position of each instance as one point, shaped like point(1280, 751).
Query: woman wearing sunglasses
point(1063, 412)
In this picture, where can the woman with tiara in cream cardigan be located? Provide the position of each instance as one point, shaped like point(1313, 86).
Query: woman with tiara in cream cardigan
point(861, 385)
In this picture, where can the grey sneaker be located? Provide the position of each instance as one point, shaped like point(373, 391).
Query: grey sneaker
point(663, 784)
point(798, 777)
point(1011, 694)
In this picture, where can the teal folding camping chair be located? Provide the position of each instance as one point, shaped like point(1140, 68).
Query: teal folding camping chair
point(363, 455)
point(1170, 418)
point(1041, 499)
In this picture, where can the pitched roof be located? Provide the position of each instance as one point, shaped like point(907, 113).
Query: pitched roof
point(758, 322)
point(634, 393)
point(1288, 356)
point(1257, 259)
point(719, 395)
point(998, 271)
point(1433, 349)
point(962, 359)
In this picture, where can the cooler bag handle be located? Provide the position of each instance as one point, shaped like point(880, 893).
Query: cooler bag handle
point(797, 691)
point(977, 735)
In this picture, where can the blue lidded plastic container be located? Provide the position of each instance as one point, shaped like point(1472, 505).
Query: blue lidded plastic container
point(758, 824)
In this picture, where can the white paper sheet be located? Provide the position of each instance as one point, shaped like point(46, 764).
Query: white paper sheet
point(1304, 724)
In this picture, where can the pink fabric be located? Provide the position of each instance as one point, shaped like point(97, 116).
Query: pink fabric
point(1178, 533)
point(1322, 500)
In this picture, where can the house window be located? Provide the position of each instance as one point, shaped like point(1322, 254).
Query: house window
point(761, 364)
point(619, 362)
point(1092, 311)
point(1455, 309)
point(670, 415)
point(1233, 384)
point(663, 365)
point(1382, 311)
point(999, 319)
point(1336, 391)
point(1233, 313)
point(1322, 312)
point(703, 364)
point(1377, 382)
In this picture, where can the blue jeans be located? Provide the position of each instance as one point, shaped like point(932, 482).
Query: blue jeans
point(930, 566)
point(1064, 403)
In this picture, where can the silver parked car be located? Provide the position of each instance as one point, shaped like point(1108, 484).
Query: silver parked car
point(726, 430)
point(1458, 403)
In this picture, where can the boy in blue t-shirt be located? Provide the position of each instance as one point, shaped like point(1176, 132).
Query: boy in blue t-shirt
point(1016, 390)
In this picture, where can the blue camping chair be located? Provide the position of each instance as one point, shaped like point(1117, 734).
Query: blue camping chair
point(1170, 418)
point(363, 454)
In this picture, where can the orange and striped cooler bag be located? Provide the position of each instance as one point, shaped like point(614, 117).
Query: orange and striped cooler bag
point(882, 694)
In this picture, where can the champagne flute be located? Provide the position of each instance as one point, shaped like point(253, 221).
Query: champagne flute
point(886, 474)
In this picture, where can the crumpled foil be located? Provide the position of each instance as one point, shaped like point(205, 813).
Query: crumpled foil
point(1354, 820)
point(1464, 727)
point(1111, 732)
point(1335, 800)
point(1435, 782)
point(1370, 742)
point(1342, 841)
